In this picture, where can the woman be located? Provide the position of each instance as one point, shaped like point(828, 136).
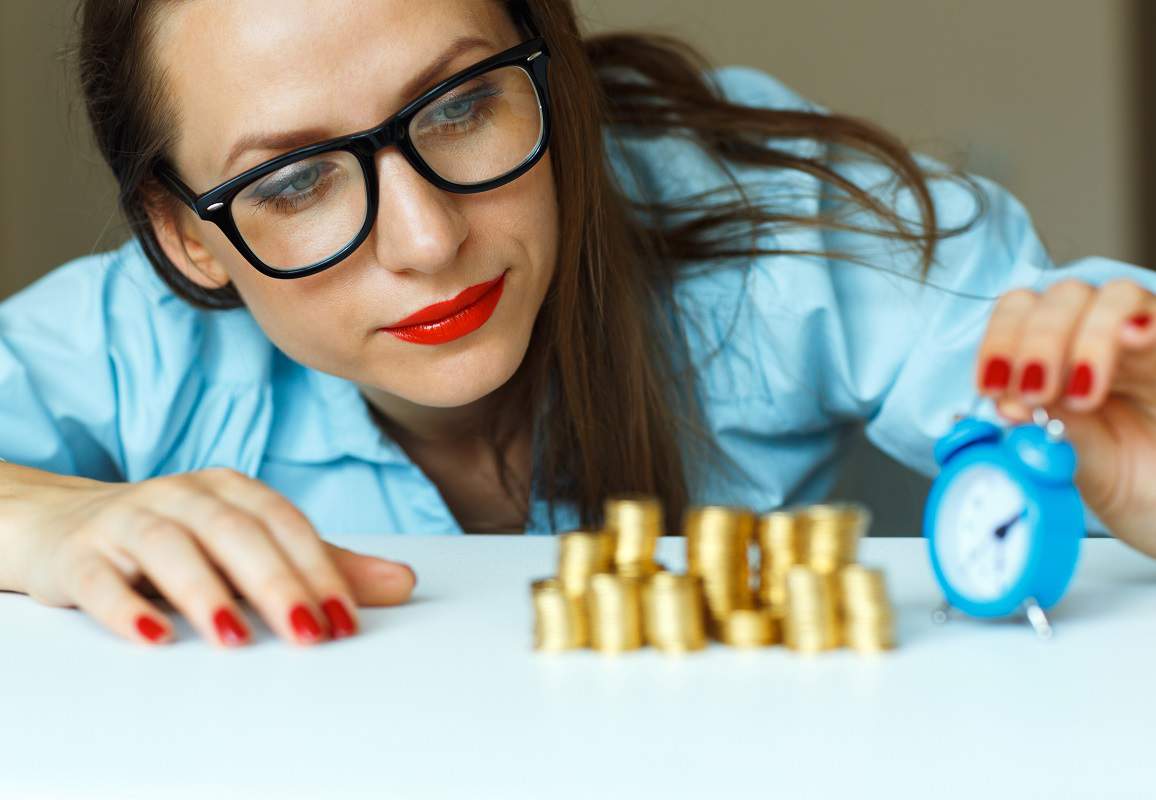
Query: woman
point(560, 269)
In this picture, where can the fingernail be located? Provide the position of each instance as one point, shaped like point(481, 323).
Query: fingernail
point(150, 628)
point(1081, 383)
point(229, 628)
point(1033, 379)
point(997, 373)
point(340, 622)
point(412, 574)
point(304, 624)
point(1141, 321)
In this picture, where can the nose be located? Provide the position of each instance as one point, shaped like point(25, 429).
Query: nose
point(419, 227)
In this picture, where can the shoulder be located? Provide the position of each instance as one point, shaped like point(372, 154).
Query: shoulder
point(105, 343)
point(116, 303)
point(753, 87)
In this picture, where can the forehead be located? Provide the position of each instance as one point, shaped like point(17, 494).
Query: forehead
point(235, 67)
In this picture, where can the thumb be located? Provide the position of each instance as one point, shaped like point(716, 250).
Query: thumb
point(374, 581)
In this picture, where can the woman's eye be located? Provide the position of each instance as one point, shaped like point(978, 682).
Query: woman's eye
point(452, 113)
point(290, 190)
point(305, 178)
point(302, 179)
point(452, 116)
point(457, 110)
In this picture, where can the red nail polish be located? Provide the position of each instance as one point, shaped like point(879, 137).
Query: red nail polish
point(1033, 379)
point(997, 373)
point(340, 622)
point(304, 624)
point(150, 628)
point(229, 628)
point(1081, 383)
point(1141, 321)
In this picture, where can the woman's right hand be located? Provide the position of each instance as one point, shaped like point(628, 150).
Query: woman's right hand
point(194, 538)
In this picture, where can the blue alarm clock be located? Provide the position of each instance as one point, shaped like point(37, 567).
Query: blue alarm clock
point(1004, 519)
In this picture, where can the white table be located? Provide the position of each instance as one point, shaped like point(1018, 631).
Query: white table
point(444, 698)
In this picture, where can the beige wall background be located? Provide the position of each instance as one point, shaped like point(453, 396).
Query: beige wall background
point(57, 199)
point(1037, 94)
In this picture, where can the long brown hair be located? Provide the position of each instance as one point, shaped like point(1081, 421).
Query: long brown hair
point(608, 374)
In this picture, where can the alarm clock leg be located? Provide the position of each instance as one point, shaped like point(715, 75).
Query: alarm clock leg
point(942, 613)
point(1038, 618)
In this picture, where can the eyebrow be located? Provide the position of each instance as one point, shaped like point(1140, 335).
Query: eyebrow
point(289, 140)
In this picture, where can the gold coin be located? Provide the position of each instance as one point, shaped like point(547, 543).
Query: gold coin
point(876, 636)
point(779, 536)
point(559, 618)
point(643, 570)
point(636, 520)
point(718, 540)
point(831, 534)
point(868, 619)
point(582, 554)
point(810, 624)
point(862, 586)
point(615, 605)
point(756, 627)
point(673, 612)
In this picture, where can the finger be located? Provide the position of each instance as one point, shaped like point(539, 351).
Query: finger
point(242, 546)
point(996, 356)
point(102, 592)
point(1046, 339)
point(295, 535)
point(1096, 344)
point(375, 581)
point(1097, 443)
point(167, 554)
point(1139, 331)
point(1013, 410)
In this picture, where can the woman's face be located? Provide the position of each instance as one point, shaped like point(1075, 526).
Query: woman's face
point(238, 68)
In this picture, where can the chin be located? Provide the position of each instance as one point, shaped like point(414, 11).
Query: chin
point(459, 381)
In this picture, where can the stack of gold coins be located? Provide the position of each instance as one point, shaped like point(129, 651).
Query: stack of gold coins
point(615, 607)
point(868, 622)
point(559, 619)
point(636, 523)
point(750, 627)
point(718, 540)
point(780, 548)
point(831, 534)
point(810, 624)
point(611, 594)
point(581, 555)
point(673, 612)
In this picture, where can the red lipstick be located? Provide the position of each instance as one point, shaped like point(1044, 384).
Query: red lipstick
point(451, 319)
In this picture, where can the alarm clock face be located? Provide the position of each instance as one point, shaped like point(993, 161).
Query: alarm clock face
point(982, 534)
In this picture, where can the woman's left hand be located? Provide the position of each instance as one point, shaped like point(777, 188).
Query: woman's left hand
point(1087, 355)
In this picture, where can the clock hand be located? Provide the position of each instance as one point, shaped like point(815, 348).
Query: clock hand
point(1001, 531)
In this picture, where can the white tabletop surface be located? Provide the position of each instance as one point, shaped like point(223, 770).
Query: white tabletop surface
point(444, 698)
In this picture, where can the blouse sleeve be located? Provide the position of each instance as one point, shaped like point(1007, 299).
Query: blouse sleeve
point(915, 369)
point(106, 374)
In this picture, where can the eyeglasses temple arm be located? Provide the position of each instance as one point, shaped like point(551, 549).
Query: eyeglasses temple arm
point(169, 178)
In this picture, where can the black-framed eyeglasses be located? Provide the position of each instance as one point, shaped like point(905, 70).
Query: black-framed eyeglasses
point(306, 210)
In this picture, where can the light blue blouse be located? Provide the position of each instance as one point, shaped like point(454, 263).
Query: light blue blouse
point(105, 373)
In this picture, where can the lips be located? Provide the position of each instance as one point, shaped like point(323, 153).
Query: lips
point(451, 319)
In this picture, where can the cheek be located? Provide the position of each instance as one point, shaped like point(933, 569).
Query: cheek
point(294, 314)
point(538, 221)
